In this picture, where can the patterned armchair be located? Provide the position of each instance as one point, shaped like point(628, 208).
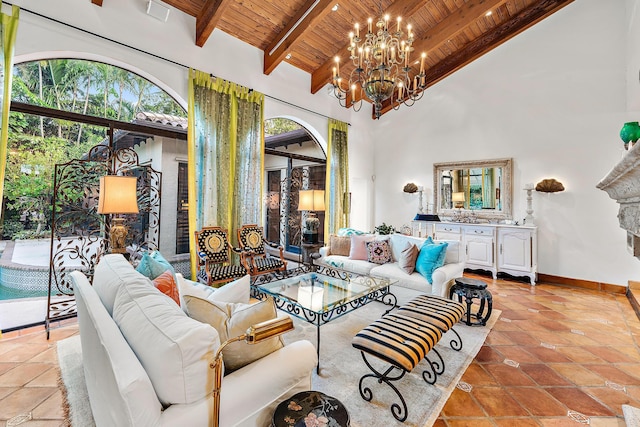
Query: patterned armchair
point(252, 241)
point(212, 245)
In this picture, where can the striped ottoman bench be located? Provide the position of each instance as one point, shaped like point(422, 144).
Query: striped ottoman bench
point(441, 312)
point(402, 341)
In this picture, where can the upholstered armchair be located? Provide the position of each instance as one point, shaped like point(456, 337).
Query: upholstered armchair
point(214, 249)
point(251, 240)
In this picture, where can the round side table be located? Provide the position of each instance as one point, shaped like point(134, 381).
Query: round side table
point(469, 289)
point(310, 408)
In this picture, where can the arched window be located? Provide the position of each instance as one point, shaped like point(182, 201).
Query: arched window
point(60, 109)
point(294, 161)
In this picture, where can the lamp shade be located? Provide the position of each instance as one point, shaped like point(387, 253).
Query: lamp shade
point(118, 195)
point(311, 200)
point(457, 197)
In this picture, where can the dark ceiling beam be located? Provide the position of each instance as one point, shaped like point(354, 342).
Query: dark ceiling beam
point(297, 136)
point(322, 75)
point(490, 40)
point(295, 156)
point(97, 2)
point(208, 18)
point(274, 56)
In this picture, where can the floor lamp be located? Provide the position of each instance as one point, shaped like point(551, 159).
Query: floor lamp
point(255, 334)
point(118, 196)
point(311, 201)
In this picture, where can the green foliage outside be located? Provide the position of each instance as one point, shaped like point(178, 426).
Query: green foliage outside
point(279, 125)
point(36, 144)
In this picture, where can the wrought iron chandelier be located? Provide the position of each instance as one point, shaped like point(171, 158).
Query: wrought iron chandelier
point(382, 68)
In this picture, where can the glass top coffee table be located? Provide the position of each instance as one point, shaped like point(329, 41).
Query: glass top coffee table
point(320, 297)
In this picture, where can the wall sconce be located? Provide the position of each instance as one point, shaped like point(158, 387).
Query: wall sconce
point(311, 200)
point(550, 185)
point(254, 335)
point(118, 196)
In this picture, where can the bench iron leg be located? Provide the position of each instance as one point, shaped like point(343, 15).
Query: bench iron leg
point(399, 412)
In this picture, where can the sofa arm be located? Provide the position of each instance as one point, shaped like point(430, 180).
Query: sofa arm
point(444, 276)
point(324, 251)
point(261, 385)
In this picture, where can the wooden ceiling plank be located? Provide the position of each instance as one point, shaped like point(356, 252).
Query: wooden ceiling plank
point(97, 2)
point(272, 59)
point(521, 21)
point(208, 18)
point(322, 76)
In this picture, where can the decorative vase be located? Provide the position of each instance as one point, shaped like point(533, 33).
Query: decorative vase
point(630, 133)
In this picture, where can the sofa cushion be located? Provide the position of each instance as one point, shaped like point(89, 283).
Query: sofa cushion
point(431, 256)
point(339, 245)
point(393, 271)
point(232, 320)
point(358, 248)
point(346, 263)
point(174, 349)
point(349, 232)
point(110, 274)
point(166, 284)
point(408, 257)
point(378, 252)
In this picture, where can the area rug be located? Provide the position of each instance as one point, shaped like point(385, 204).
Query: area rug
point(341, 367)
point(631, 415)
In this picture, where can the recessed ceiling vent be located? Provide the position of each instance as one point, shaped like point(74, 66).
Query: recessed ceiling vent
point(158, 11)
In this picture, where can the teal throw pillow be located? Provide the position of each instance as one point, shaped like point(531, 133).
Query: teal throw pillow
point(431, 256)
point(153, 265)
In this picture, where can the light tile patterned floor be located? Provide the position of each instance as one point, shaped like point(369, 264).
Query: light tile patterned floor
point(558, 356)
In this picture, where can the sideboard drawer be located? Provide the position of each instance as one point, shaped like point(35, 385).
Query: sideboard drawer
point(479, 231)
point(448, 228)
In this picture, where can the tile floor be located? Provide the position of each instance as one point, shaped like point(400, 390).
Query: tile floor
point(557, 356)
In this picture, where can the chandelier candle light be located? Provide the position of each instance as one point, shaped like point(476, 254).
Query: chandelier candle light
point(382, 67)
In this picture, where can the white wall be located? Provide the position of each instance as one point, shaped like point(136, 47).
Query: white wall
point(553, 99)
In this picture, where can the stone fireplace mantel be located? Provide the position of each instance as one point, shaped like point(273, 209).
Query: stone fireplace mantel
point(622, 184)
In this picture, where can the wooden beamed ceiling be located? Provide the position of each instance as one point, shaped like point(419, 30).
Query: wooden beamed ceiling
point(308, 34)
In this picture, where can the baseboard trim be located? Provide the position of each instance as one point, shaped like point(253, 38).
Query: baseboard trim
point(579, 283)
point(633, 295)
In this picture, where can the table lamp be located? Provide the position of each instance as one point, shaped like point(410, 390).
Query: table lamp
point(255, 334)
point(311, 200)
point(458, 200)
point(118, 196)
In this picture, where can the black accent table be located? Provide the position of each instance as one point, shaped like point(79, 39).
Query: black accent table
point(469, 289)
point(312, 405)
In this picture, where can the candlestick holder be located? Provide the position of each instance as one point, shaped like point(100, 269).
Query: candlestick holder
point(529, 220)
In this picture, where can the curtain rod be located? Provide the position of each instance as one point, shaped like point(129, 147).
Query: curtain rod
point(150, 54)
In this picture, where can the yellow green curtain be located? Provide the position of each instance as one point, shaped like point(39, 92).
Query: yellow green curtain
point(8, 30)
point(226, 155)
point(337, 185)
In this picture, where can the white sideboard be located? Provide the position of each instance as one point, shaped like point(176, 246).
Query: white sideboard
point(498, 248)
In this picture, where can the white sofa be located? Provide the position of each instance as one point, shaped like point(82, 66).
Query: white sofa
point(147, 363)
point(443, 277)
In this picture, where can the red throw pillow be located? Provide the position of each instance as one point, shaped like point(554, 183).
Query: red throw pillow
point(165, 284)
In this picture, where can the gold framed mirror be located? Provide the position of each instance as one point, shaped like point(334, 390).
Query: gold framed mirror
point(480, 187)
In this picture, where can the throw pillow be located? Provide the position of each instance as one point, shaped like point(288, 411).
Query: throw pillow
point(378, 252)
point(339, 245)
point(231, 320)
point(165, 284)
point(236, 291)
point(349, 232)
point(153, 264)
point(408, 256)
point(358, 248)
point(431, 256)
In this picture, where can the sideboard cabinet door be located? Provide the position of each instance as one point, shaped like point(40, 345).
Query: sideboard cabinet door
point(517, 252)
